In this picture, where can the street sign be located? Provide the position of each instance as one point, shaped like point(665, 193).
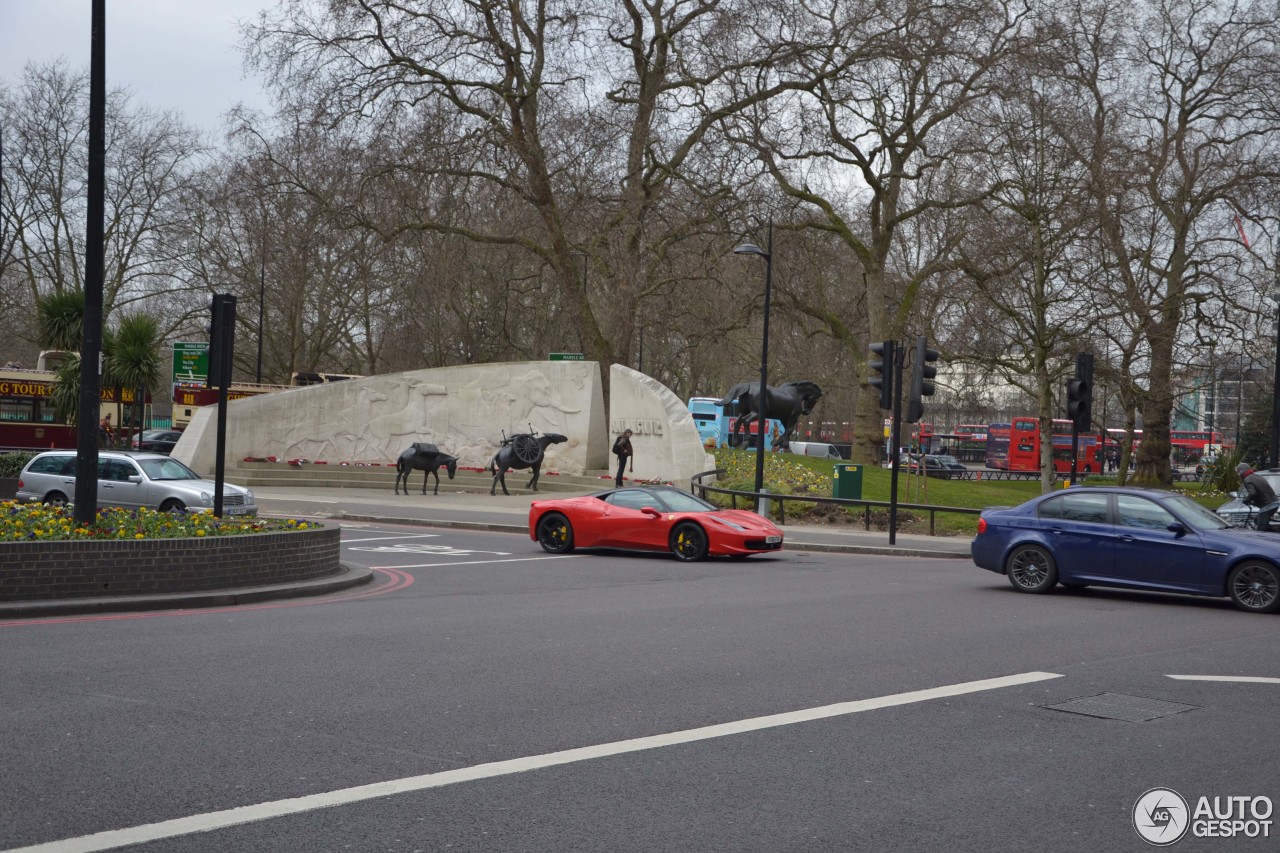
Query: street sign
point(190, 362)
point(567, 356)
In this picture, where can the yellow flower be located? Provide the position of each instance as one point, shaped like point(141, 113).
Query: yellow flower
point(200, 531)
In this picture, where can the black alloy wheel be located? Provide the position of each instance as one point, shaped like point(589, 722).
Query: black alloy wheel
point(555, 533)
point(689, 542)
point(1031, 569)
point(1255, 587)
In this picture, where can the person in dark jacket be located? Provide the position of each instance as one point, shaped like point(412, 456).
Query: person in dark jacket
point(622, 449)
point(1257, 492)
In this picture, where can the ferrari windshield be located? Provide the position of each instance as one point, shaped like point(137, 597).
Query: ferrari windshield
point(677, 501)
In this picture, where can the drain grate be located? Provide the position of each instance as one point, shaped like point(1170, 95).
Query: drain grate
point(1118, 706)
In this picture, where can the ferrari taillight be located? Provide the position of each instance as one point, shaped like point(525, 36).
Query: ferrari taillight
point(982, 525)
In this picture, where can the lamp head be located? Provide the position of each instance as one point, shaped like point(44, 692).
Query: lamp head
point(750, 249)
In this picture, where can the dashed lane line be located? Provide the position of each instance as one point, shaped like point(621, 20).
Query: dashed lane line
point(1246, 679)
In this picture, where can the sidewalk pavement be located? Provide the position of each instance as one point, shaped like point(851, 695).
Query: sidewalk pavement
point(480, 511)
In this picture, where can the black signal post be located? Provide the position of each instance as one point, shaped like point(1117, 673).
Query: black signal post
point(1080, 404)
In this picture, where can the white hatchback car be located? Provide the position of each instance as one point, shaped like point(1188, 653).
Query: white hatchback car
point(130, 480)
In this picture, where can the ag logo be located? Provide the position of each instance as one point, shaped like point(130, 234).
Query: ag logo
point(1161, 817)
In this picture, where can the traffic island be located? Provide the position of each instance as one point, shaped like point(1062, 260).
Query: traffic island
point(39, 578)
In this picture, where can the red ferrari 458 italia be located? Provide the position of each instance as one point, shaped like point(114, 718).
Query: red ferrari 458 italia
point(650, 519)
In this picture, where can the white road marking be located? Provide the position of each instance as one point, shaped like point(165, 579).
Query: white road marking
point(112, 839)
point(401, 536)
point(1250, 679)
point(423, 549)
point(473, 563)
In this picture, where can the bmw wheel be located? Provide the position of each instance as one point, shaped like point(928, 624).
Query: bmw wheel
point(689, 542)
point(1031, 569)
point(555, 534)
point(1255, 587)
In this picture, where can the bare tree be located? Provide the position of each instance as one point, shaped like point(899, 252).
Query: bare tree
point(857, 147)
point(150, 158)
point(1183, 138)
point(586, 117)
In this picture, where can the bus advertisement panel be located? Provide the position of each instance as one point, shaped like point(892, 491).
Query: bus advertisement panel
point(998, 446)
point(715, 425)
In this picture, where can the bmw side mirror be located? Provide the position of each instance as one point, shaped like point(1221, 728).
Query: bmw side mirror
point(1177, 528)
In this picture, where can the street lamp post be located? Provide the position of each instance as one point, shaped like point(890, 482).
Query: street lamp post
point(763, 414)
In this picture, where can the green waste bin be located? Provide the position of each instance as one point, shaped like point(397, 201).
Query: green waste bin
point(847, 481)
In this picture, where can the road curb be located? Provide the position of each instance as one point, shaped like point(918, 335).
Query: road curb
point(350, 575)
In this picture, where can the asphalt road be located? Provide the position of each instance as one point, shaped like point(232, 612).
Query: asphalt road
point(514, 701)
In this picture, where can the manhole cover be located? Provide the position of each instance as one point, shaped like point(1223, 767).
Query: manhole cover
point(1118, 706)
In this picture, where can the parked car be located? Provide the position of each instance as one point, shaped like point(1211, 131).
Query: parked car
point(657, 518)
point(1132, 538)
point(1236, 512)
point(822, 450)
point(131, 480)
point(156, 440)
point(937, 465)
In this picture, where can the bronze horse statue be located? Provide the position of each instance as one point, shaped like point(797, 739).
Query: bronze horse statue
point(426, 458)
point(787, 403)
point(521, 451)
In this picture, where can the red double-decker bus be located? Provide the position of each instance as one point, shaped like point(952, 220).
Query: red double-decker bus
point(1016, 447)
point(1187, 447)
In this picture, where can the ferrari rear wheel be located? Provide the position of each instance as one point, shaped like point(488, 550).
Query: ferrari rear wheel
point(555, 534)
point(689, 542)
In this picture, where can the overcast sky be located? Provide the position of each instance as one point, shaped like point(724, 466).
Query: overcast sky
point(172, 54)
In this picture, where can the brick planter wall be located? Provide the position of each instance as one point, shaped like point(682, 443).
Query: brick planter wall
point(31, 571)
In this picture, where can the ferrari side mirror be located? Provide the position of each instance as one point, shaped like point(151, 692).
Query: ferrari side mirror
point(648, 510)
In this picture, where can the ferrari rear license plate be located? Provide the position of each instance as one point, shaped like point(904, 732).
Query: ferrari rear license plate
point(772, 540)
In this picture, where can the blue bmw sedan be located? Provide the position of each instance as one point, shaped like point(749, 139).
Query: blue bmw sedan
point(1132, 538)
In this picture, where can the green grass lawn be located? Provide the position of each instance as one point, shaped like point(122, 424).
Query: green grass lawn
point(787, 473)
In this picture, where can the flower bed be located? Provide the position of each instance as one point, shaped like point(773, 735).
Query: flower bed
point(44, 554)
point(26, 522)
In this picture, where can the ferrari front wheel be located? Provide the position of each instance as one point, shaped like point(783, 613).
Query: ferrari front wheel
point(555, 534)
point(689, 542)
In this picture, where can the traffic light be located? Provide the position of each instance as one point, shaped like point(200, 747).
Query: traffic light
point(1080, 393)
point(221, 339)
point(882, 364)
point(922, 374)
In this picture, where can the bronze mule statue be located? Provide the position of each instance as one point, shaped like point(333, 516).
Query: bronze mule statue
point(426, 458)
point(787, 403)
point(521, 451)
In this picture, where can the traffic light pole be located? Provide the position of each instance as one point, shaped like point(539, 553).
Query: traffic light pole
point(1075, 449)
point(895, 442)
